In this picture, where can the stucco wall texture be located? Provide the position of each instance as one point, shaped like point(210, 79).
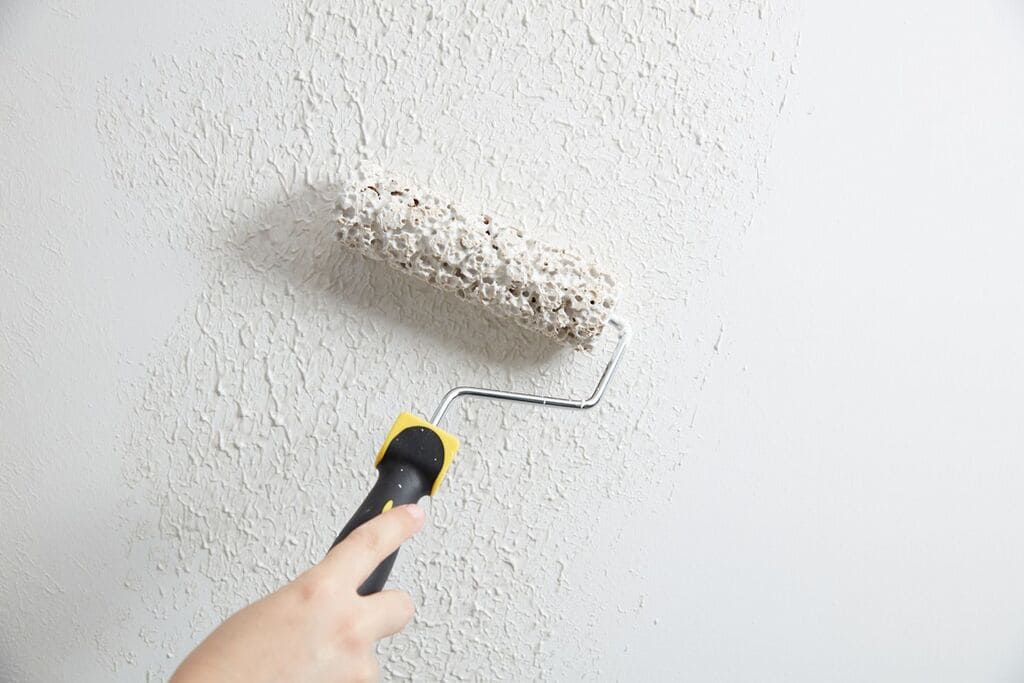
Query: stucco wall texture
point(242, 423)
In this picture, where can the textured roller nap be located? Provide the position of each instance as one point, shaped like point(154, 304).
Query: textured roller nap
point(543, 287)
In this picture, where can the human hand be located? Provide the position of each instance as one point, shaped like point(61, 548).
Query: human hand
point(316, 628)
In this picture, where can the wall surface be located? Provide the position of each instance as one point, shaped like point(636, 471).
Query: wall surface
point(808, 469)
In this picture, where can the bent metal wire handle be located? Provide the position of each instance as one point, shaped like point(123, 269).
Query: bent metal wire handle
point(416, 453)
point(582, 404)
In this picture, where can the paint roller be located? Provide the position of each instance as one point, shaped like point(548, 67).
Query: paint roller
point(544, 288)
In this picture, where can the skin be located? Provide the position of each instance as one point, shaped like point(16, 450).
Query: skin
point(316, 628)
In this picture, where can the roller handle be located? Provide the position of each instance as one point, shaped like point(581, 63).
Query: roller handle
point(410, 465)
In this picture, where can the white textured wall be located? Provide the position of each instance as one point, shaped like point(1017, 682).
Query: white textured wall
point(194, 376)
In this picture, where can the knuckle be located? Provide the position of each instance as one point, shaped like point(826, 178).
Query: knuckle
point(315, 587)
point(351, 638)
point(369, 539)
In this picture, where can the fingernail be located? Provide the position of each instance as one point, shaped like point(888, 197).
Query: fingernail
point(416, 512)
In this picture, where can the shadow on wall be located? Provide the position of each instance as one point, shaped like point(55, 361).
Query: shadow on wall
point(294, 238)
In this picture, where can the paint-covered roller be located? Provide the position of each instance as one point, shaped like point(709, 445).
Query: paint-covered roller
point(544, 288)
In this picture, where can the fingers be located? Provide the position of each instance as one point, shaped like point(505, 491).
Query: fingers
point(369, 544)
point(386, 613)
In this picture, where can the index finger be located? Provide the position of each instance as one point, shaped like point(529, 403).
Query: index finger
point(370, 543)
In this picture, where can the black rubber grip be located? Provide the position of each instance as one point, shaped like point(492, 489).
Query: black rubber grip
point(412, 462)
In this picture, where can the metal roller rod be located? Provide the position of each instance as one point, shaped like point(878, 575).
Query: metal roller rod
point(624, 334)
